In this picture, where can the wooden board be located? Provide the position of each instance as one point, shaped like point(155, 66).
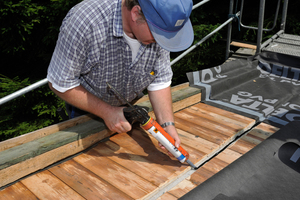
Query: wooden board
point(33, 151)
point(17, 191)
point(222, 160)
point(85, 182)
point(132, 166)
point(243, 45)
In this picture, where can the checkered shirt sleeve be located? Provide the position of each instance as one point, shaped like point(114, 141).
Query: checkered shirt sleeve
point(91, 51)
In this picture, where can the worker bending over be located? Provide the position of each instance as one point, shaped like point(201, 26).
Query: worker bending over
point(126, 43)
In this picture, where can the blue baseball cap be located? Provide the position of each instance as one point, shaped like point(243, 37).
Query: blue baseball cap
point(169, 22)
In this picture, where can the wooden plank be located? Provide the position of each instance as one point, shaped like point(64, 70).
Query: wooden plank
point(29, 166)
point(20, 154)
point(197, 129)
point(209, 124)
point(127, 161)
point(217, 118)
point(264, 130)
point(181, 99)
point(146, 146)
point(37, 147)
point(243, 45)
point(214, 111)
point(173, 89)
point(136, 163)
point(215, 165)
point(167, 196)
point(197, 142)
point(182, 188)
point(230, 154)
point(253, 138)
point(46, 186)
point(17, 191)
point(22, 139)
point(143, 156)
point(242, 146)
point(195, 155)
point(86, 183)
point(139, 143)
point(143, 144)
point(200, 176)
point(113, 173)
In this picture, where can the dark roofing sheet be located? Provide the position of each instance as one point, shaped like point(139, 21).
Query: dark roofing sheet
point(269, 171)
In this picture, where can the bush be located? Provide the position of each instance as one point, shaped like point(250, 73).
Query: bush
point(29, 112)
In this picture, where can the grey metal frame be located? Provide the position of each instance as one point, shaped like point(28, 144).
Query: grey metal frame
point(260, 28)
point(260, 25)
point(256, 28)
point(23, 91)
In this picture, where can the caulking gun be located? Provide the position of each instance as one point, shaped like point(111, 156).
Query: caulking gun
point(139, 114)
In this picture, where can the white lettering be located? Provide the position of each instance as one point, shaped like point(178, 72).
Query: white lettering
point(268, 109)
point(272, 101)
point(260, 98)
point(254, 105)
point(235, 99)
point(207, 76)
point(295, 107)
point(244, 94)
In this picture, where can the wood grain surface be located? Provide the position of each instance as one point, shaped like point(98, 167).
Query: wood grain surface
point(133, 166)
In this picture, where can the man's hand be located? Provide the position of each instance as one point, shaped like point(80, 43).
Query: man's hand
point(116, 121)
point(84, 100)
point(171, 130)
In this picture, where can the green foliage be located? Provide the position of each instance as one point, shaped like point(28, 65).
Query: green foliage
point(18, 18)
point(29, 112)
point(29, 30)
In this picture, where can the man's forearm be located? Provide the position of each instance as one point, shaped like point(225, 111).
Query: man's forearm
point(161, 101)
point(84, 100)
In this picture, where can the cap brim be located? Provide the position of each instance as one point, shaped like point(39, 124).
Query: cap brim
point(173, 41)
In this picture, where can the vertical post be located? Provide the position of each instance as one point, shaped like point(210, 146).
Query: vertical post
point(284, 13)
point(229, 31)
point(260, 25)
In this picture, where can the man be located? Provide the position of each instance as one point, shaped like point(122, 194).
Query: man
point(125, 43)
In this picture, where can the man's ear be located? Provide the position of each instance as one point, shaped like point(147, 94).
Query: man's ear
point(135, 13)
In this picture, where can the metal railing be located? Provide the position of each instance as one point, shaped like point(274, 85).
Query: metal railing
point(260, 27)
point(232, 16)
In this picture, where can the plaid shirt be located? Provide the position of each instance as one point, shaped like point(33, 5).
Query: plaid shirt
point(91, 51)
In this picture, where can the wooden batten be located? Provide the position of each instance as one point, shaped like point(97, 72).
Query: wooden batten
point(22, 139)
point(243, 45)
point(36, 150)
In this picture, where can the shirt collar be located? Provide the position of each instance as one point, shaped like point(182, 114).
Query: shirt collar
point(117, 20)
